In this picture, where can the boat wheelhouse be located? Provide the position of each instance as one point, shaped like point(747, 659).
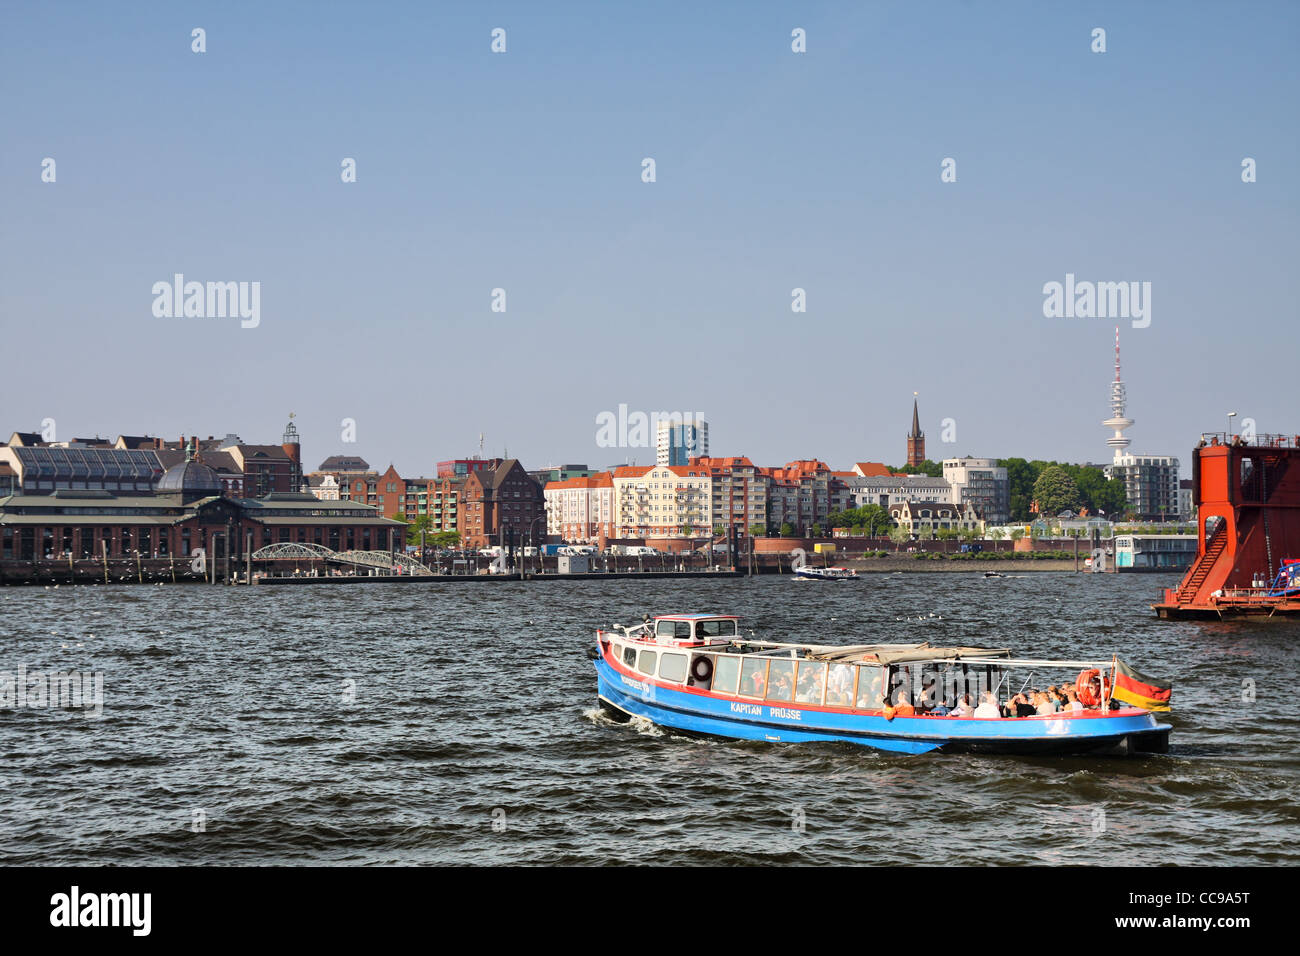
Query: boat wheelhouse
point(696, 674)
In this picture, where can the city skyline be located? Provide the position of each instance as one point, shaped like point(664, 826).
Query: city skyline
point(776, 171)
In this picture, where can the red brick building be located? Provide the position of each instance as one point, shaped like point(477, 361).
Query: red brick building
point(501, 498)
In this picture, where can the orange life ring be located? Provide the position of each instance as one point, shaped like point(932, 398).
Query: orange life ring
point(1091, 687)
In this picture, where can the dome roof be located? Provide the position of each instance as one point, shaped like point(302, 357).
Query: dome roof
point(189, 476)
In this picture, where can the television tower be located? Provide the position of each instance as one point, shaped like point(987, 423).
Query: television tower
point(1117, 421)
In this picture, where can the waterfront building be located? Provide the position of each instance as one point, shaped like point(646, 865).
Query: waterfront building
point(676, 443)
point(886, 490)
point(662, 501)
point(871, 469)
point(444, 501)
point(581, 510)
point(561, 473)
point(1151, 485)
point(737, 492)
point(923, 519)
point(324, 487)
point(915, 439)
point(1186, 504)
point(499, 503)
point(464, 466)
point(982, 482)
point(1150, 551)
point(802, 494)
point(186, 510)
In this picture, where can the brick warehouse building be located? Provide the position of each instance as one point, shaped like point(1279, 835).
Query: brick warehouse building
point(501, 498)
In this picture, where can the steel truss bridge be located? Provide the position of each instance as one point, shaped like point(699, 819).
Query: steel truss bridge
point(295, 551)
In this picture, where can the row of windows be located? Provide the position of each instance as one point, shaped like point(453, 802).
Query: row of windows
point(766, 678)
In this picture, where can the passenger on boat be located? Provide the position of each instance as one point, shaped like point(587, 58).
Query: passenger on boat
point(760, 684)
point(1019, 706)
point(963, 708)
point(839, 686)
point(809, 685)
point(928, 697)
point(1073, 704)
point(941, 710)
point(903, 706)
point(1058, 694)
point(1045, 703)
point(988, 706)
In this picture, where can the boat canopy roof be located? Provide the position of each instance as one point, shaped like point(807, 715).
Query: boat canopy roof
point(696, 617)
point(927, 653)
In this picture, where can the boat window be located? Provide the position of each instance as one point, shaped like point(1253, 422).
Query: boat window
point(715, 629)
point(646, 663)
point(811, 683)
point(870, 686)
point(726, 670)
point(675, 629)
point(672, 667)
point(839, 686)
point(753, 677)
point(780, 680)
point(629, 656)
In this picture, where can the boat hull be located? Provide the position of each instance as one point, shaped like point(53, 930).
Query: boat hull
point(699, 713)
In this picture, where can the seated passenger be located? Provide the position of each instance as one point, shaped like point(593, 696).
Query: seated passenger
point(903, 706)
point(928, 696)
point(1073, 704)
point(942, 710)
point(963, 708)
point(1045, 703)
point(839, 689)
point(1021, 707)
point(809, 686)
point(988, 707)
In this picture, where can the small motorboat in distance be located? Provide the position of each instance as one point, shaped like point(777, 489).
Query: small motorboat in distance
point(826, 574)
point(696, 674)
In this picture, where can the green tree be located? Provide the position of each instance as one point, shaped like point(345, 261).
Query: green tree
point(1055, 491)
point(787, 530)
point(932, 469)
point(874, 519)
point(758, 530)
point(898, 535)
point(1021, 476)
point(816, 531)
point(446, 539)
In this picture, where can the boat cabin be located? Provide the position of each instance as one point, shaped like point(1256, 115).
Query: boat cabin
point(693, 629)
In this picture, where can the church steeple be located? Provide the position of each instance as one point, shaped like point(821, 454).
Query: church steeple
point(915, 438)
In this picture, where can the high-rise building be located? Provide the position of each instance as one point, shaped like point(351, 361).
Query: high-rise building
point(676, 443)
point(915, 439)
point(983, 483)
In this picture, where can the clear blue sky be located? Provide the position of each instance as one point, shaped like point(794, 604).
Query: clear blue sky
point(775, 170)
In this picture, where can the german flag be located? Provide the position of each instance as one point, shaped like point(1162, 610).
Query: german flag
point(1139, 690)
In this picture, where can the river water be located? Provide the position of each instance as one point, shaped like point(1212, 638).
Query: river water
point(457, 723)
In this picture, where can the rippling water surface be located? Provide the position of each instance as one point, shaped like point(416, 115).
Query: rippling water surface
point(475, 736)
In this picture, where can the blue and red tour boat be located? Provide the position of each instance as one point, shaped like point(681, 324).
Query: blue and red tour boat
point(697, 674)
